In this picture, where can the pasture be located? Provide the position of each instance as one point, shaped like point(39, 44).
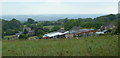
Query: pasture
point(91, 46)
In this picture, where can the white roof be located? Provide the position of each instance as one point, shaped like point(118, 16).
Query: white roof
point(53, 34)
point(66, 32)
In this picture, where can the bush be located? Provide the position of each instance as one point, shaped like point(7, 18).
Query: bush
point(55, 28)
point(40, 36)
point(23, 36)
point(39, 32)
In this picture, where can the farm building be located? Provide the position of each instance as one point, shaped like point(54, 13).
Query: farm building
point(31, 33)
point(108, 26)
point(18, 34)
point(80, 32)
point(54, 35)
point(100, 32)
point(27, 28)
point(61, 30)
point(74, 32)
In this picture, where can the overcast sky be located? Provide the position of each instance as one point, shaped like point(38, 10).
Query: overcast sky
point(22, 7)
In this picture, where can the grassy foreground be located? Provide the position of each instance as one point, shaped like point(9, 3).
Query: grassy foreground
point(0, 48)
point(91, 46)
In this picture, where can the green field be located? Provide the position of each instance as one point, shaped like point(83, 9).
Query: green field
point(91, 46)
point(0, 48)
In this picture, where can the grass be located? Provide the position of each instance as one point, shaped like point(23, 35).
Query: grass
point(91, 46)
point(0, 48)
point(10, 36)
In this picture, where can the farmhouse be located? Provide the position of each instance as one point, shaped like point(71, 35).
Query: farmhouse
point(108, 26)
point(105, 28)
point(31, 33)
point(27, 28)
point(18, 34)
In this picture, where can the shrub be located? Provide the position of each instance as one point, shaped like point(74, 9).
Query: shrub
point(40, 36)
point(23, 36)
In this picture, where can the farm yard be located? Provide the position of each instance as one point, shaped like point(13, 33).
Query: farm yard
point(90, 46)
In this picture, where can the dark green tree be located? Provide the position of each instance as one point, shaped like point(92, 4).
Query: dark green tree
point(55, 28)
point(11, 27)
point(118, 27)
point(46, 29)
point(40, 33)
point(71, 23)
point(30, 20)
point(23, 36)
point(14, 24)
point(25, 31)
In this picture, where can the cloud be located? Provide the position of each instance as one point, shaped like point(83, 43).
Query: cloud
point(58, 8)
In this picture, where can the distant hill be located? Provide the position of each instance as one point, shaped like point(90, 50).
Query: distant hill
point(49, 17)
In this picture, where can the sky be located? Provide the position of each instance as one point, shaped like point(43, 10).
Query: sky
point(33, 7)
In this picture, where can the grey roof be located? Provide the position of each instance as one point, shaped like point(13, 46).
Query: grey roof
point(80, 30)
point(17, 33)
point(75, 28)
point(61, 30)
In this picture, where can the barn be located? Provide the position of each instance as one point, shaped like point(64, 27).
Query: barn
point(55, 35)
point(80, 32)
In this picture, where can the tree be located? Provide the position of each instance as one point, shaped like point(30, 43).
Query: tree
point(25, 31)
point(14, 24)
point(118, 29)
point(10, 27)
point(71, 23)
point(30, 20)
point(63, 20)
point(46, 29)
point(23, 36)
point(39, 32)
point(36, 26)
point(55, 28)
